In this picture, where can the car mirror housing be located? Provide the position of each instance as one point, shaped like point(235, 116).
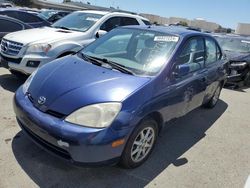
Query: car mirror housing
point(181, 70)
point(100, 33)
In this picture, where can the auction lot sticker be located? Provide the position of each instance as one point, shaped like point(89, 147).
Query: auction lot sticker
point(166, 39)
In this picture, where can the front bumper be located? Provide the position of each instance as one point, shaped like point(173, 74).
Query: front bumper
point(71, 142)
point(20, 64)
point(237, 72)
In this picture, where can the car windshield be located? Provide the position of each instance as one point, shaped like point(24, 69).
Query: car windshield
point(46, 14)
point(241, 45)
point(78, 21)
point(142, 52)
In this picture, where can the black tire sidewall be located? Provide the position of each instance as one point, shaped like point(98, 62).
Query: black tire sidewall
point(126, 160)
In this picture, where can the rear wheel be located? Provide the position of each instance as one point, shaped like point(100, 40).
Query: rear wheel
point(213, 101)
point(247, 79)
point(140, 144)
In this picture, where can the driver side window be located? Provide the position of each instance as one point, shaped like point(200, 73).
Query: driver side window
point(193, 54)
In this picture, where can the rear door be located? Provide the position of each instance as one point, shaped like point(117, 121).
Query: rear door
point(214, 66)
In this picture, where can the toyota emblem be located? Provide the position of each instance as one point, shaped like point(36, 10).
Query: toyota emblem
point(41, 100)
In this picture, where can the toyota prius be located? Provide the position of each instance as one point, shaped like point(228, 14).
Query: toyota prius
point(108, 103)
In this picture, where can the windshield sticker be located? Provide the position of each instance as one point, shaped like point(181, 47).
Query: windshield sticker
point(92, 19)
point(245, 41)
point(166, 39)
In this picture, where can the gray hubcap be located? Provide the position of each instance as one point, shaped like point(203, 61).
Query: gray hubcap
point(142, 144)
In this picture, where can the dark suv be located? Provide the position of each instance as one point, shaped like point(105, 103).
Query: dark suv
point(9, 25)
point(237, 50)
point(25, 17)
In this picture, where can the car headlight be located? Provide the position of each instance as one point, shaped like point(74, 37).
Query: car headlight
point(97, 115)
point(27, 83)
point(38, 48)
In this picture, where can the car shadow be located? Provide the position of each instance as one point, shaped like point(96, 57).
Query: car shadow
point(10, 82)
point(178, 137)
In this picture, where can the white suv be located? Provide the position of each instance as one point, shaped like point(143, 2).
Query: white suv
point(24, 51)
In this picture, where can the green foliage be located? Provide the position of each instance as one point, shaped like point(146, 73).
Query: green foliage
point(27, 3)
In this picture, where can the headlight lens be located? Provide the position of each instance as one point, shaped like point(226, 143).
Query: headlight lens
point(27, 83)
point(97, 115)
point(38, 48)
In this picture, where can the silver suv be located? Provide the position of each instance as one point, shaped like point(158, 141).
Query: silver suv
point(24, 51)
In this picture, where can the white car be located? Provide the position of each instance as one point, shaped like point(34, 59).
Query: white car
point(24, 51)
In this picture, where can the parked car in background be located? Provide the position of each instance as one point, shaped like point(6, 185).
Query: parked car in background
point(6, 5)
point(108, 102)
point(25, 17)
point(36, 47)
point(53, 15)
point(9, 25)
point(237, 50)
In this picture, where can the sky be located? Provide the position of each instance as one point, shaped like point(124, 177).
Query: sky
point(227, 13)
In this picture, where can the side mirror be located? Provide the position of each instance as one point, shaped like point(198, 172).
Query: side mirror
point(181, 70)
point(100, 33)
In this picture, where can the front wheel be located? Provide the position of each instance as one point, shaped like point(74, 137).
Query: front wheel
point(213, 101)
point(140, 144)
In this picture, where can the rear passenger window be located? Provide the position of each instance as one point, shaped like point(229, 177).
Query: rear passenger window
point(8, 26)
point(129, 21)
point(193, 54)
point(111, 24)
point(211, 51)
point(28, 18)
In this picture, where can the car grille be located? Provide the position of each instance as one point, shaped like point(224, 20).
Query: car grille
point(10, 48)
point(50, 147)
point(12, 60)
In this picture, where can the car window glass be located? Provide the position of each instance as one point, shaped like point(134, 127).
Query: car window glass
point(111, 24)
point(115, 44)
point(193, 54)
point(146, 22)
point(129, 21)
point(8, 26)
point(28, 18)
point(218, 53)
point(211, 55)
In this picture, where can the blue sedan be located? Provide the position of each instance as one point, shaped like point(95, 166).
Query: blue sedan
point(108, 102)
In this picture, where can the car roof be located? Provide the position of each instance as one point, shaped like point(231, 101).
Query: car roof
point(231, 36)
point(121, 13)
point(170, 30)
point(15, 20)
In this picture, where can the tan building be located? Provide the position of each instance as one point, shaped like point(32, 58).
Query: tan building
point(243, 29)
point(200, 23)
point(203, 24)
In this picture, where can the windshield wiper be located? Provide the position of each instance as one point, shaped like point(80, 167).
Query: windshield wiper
point(99, 61)
point(62, 27)
point(114, 65)
point(90, 59)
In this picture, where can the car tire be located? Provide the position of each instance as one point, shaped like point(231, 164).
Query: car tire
point(213, 101)
point(247, 79)
point(139, 147)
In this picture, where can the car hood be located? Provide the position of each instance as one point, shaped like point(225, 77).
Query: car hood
point(70, 83)
point(237, 56)
point(43, 35)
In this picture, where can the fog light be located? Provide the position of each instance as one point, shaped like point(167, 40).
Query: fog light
point(33, 63)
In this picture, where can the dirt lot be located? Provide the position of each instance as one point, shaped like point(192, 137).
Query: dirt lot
point(206, 148)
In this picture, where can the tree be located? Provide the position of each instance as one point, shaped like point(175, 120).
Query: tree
point(183, 23)
point(27, 3)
